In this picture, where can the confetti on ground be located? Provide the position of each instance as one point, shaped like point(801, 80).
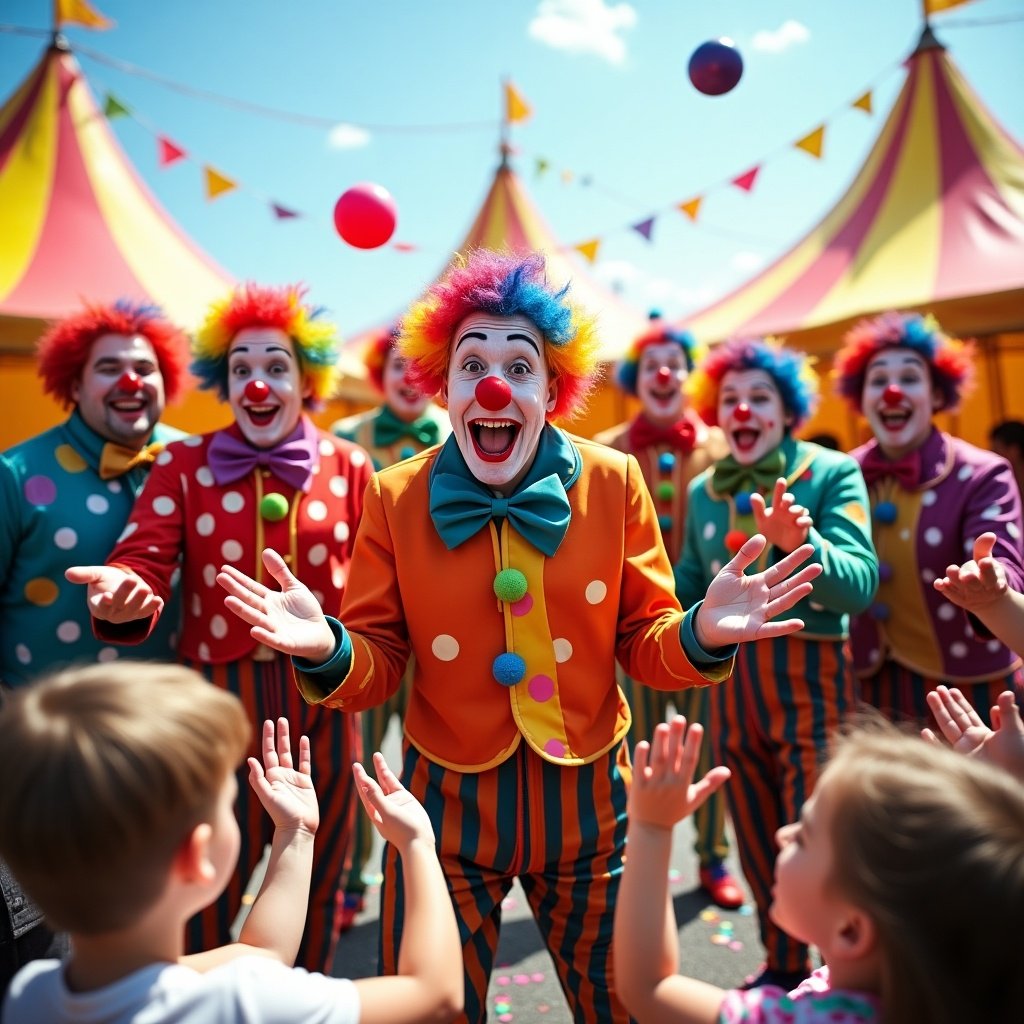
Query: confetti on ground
point(538, 977)
point(746, 910)
point(718, 939)
point(509, 903)
point(521, 979)
point(708, 915)
point(504, 980)
point(735, 945)
point(543, 1007)
point(674, 875)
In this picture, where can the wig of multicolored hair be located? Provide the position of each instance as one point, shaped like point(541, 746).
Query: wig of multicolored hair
point(375, 355)
point(503, 284)
point(791, 371)
point(252, 305)
point(64, 349)
point(950, 361)
point(656, 334)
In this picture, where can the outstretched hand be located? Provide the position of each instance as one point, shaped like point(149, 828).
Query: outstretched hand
point(396, 814)
point(115, 595)
point(738, 608)
point(286, 791)
point(786, 524)
point(978, 582)
point(290, 619)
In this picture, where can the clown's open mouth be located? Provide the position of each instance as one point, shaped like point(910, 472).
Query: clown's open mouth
point(261, 415)
point(895, 419)
point(494, 439)
point(664, 394)
point(745, 438)
point(128, 406)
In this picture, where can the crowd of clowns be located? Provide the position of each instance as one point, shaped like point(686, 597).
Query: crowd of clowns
point(584, 640)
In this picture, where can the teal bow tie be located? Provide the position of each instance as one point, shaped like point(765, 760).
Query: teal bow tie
point(388, 429)
point(730, 476)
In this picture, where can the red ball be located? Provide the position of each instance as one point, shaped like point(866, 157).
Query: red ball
point(493, 393)
point(365, 215)
point(715, 67)
point(735, 539)
point(257, 390)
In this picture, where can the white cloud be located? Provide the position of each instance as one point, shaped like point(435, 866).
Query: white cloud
point(790, 33)
point(584, 26)
point(645, 291)
point(347, 136)
point(616, 273)
point(747, 261)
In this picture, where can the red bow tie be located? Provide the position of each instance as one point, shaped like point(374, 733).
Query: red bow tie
point(644, 434)
point(906, 471)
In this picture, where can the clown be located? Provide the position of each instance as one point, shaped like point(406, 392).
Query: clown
point(771, 727)
point(673, 444)
point(516, 562)
point(270, 478)
point(932, 496)
point(404, 424)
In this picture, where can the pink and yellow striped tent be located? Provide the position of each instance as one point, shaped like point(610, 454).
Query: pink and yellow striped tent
point(934, 221)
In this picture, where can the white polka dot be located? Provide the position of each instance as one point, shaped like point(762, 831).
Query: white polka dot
point(210, 575)
point(106, 654)
point(204, 476)
point(716, 566)
point(933, 536)
point(965, 473)
point(164, 506)
point(152, 549)
point(928, 575)
point(1013, 530)
point(709, 531)
point(317, 511)
point(205, 525)
point(66, 538)
point(445, 647)
point(596, 592)
point(317, 554)
point(69, 631)
point(993, 646)
point(992, 512)
point(232, 502)
point(219, 627)
point(97, 504)
point(114, 486)
point(326, 448)
point(197, 606)
point(905, 533)
point(319, 597)
point(341, 531)
point(204, 652)
point(815, 607)
point(231, 550)
point(563, 650)
point(339, 486)
point(357, 458)
point(969, 631)
point(165, 458)
point(338, 577)
point(193, 441)
point(929, 498)
point(958, 649)
point(873, 656)
point(946, 612)
point(23, 654)
point(969, 546)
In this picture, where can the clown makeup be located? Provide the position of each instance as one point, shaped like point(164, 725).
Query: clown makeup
point(751, 413)
point(120, 393)
point(661, 373)
point(402, 398)
point(899, 401)
point(497, 424)
point(265, 385)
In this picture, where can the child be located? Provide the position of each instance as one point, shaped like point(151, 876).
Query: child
point(117, 815)
point(906, 870)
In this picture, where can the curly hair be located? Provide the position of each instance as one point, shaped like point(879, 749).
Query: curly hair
point(375, 354)
point(656, 334)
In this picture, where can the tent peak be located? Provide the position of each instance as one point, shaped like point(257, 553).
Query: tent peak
point(59, 41)
point(928, 41)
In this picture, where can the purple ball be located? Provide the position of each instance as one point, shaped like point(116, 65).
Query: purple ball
point(715, 67)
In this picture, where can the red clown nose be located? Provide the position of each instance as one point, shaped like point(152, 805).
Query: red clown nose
point(256, 391)
point(664, 375)
point(892, 395)
point(129, 382)
point(493, 393)
point(741, 413)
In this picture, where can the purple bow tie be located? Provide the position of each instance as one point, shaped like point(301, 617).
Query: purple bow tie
point(231, 457)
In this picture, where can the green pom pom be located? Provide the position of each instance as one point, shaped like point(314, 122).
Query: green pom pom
point(274, 507)
point(510, 585)
point(666, 491)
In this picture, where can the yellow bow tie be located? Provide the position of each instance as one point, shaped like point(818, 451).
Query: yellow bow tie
point(116, 460)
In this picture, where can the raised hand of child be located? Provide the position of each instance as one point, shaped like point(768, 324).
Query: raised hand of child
point(785, 524)
point(663, 791)
point(978, 582)
point(396, 814)
point(285, 790)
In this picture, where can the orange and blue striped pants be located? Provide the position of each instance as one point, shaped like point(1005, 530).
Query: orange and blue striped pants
point(267, 690)
point(649, 707)
point(560, 830)
point(771, 724)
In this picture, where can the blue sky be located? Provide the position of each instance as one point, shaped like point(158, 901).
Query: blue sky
point(416, 85)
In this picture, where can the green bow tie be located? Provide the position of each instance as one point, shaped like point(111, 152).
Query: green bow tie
point(730, 477)
point(389, 429)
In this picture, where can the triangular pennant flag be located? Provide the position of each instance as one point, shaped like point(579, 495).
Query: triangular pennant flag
point(863, 102)
point(812, 143)
point(113, 107)
point(78, 12)
point(542, 165)
point(645, 227)
point(168, 152)
point(937, 6)
point(589, 249)
point(216, 183)
point(283, 213)
point(746, 181)
point(567, 177)
point(691, 206)
point(516, 108)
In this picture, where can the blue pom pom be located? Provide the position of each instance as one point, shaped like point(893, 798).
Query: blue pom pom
point(665, 522)
point(407, 452)
point(879, 610)
point(886, 512)
point(743, 505)
point(666, 462)
point(508, 669)
point(884, 572)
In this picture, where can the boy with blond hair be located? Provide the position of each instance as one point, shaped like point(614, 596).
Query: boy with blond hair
point(117, 816)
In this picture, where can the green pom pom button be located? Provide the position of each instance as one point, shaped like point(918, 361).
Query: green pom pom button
point(510, 585)
point(274, 507)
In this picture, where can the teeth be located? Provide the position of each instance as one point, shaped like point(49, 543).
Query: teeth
point(496, 423)
point(260, 409)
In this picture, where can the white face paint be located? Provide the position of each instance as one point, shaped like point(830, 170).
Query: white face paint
point(120, 393)
point(402, 398)
point(751, 413)
point(903, 422)
point(267, 355)
point(498, 445)
point(660, 375)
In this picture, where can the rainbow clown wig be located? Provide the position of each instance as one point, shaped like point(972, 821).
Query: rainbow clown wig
point(64, 349)
point(253, 305)
point(503, 284)
point(790, 370)
point(950, 362)
point(375, 355)
point(656, 334)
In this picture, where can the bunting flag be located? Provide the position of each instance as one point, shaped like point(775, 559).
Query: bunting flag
point(216, 183)
point(746, 181)
point(283, 213)
point(113, 107)
point(79, 12)
point(644, 228)
point(863, 103)
point(813, 142)
point(516, 108)
point(542, 166)
point(691, 207)
point(588, 250)
point(567, 177)
point(167, 152)
point(938, 6)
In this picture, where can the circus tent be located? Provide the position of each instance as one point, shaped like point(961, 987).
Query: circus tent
point(933, 221)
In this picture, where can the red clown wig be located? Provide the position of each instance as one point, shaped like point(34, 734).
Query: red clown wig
point(375, 355)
